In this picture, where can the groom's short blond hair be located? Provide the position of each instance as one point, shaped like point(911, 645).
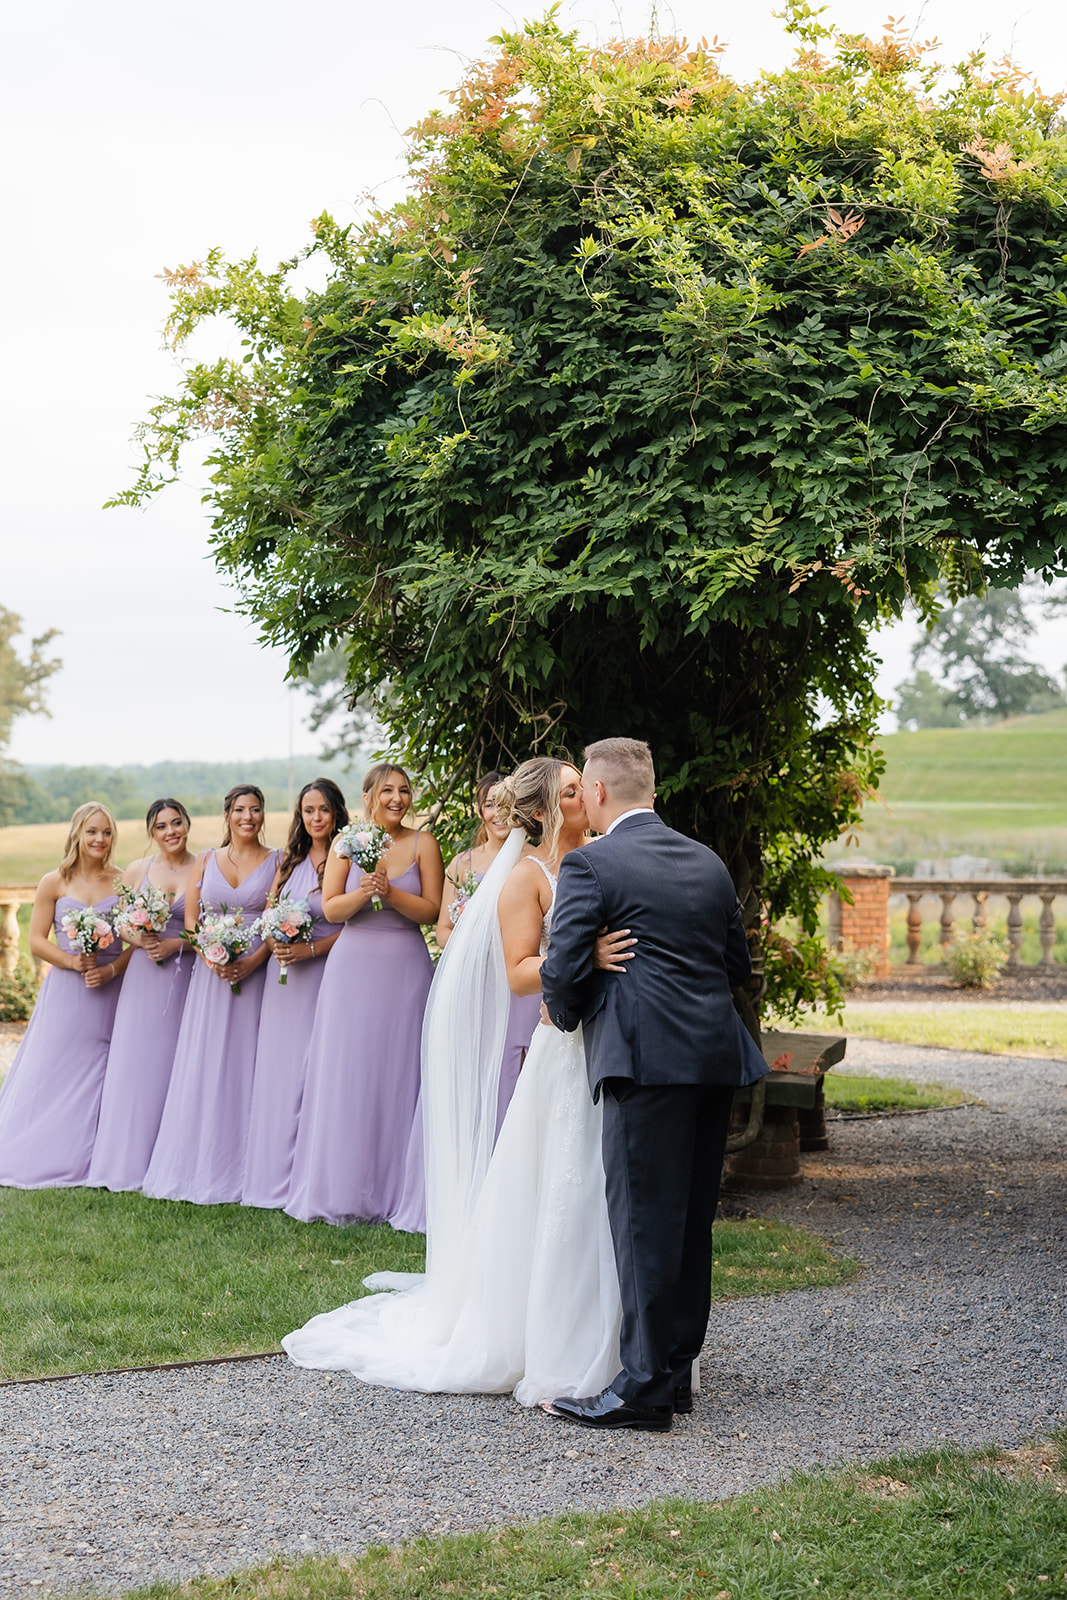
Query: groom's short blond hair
point(624, 767)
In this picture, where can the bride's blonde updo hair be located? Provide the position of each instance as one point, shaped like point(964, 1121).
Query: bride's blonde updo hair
point(534, 786)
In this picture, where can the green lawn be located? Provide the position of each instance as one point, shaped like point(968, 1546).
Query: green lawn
point(1012, 1030)
point(851, 1091)
point(92, 1279)
point(945, 1525)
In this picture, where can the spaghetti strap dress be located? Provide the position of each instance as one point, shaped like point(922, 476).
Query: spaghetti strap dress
point(139, 1061)
point(523, 1018)
point(199, 1154)
point(50, 1100)
point(285, 1024)
point(362, 1081)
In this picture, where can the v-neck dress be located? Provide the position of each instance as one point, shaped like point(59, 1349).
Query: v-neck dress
point(139, 1062)
point(50, 1099)
point(199, 1154)
point(285, 1024)
point(362, 1083)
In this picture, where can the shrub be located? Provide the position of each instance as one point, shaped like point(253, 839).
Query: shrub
point(18, 993)
point(975, 960)
point(853, 967)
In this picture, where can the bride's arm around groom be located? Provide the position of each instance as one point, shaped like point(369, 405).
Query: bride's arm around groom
point(664, 1050)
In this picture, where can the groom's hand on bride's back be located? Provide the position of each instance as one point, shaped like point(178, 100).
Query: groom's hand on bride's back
point(613, 950)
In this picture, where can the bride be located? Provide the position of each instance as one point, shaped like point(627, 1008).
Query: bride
point(520, 1291)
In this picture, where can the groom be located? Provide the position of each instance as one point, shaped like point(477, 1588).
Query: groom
point(664, 1050)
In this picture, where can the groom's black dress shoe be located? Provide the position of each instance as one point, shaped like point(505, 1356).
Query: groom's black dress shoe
point(683, 1399)
point(606, 1410)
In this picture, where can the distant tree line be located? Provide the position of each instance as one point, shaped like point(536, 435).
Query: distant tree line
point(51, 793)
point(982, 669)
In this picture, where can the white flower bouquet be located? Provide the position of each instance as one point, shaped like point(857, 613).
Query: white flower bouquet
point(287, 922)
point(365, 843)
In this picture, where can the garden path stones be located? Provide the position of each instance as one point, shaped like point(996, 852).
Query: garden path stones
point(955, 1332)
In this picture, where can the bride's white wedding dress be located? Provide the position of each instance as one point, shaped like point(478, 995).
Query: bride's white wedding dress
point(521, 1291)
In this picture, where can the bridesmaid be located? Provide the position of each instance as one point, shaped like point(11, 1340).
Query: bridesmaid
point(525, 1008)
point(285, 1022)
point(51, 1097)
point(149, 1013)
point(363, 1062)
point(199, 1153)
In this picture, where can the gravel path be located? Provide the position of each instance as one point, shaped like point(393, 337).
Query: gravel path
point(955, 1332)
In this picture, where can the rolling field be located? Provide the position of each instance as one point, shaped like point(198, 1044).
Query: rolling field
point(999, 792)
point(29, 851)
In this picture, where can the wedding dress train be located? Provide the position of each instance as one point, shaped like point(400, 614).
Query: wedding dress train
point(521, 1291)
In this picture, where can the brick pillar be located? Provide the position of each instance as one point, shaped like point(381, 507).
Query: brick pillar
point(863, 925)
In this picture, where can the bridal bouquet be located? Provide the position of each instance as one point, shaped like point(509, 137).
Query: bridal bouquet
point(87, 930)
point(461, 896)
point(365, 843)
point(220, 938)
point(144, 910)
point(287, 922)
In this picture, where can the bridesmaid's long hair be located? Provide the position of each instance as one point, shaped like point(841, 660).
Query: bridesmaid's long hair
point(227, 806)
point(534, 786)
point(482, 790)
point(165, 805)
point(72, 848)
point(300, 841)
point(375, 781)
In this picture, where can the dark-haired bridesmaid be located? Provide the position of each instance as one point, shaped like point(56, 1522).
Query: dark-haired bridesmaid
point(50, 1099)
point(363, 1062)
point(149, 1012)
point(199, 1154)
point(288, 1011)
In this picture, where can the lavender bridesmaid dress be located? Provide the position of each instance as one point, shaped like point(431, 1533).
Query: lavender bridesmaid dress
point(523, 1018)
point(50, 1099)
point(363, 1067)
point(199, 1154)
point(139, 1062)
point(285, 1024)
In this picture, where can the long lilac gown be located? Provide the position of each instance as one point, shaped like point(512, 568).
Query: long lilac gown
point(139, 1062)
point(50, 1099)
point(523, 1018)
point(285, 1024)
point(363, 1067)
point(199, 1153)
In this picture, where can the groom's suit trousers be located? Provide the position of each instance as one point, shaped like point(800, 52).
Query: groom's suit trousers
point(663, 1154)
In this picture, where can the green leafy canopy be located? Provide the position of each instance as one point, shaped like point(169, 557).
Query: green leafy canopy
point(651, 398)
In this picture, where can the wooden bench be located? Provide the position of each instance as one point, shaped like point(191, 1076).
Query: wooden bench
point(783, 1114)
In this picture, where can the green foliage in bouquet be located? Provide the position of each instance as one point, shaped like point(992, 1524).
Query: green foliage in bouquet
point(655, 394)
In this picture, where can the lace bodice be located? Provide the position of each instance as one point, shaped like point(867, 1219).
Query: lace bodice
point(546, 926)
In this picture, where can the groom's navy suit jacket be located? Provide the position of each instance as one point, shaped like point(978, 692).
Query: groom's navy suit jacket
point(669, 1017)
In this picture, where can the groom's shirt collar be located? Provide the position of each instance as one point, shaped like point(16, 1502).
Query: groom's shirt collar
point(635, 811)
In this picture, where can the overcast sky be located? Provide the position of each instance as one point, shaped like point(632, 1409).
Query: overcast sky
point(137, 136)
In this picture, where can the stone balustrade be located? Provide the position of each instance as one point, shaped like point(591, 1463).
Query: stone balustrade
point(978, 890)
point(12, 895)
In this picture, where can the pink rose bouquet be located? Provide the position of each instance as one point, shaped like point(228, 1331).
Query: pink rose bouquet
point(87, 930)
point(220, 937)
point(144, 910)
point(287, 922)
